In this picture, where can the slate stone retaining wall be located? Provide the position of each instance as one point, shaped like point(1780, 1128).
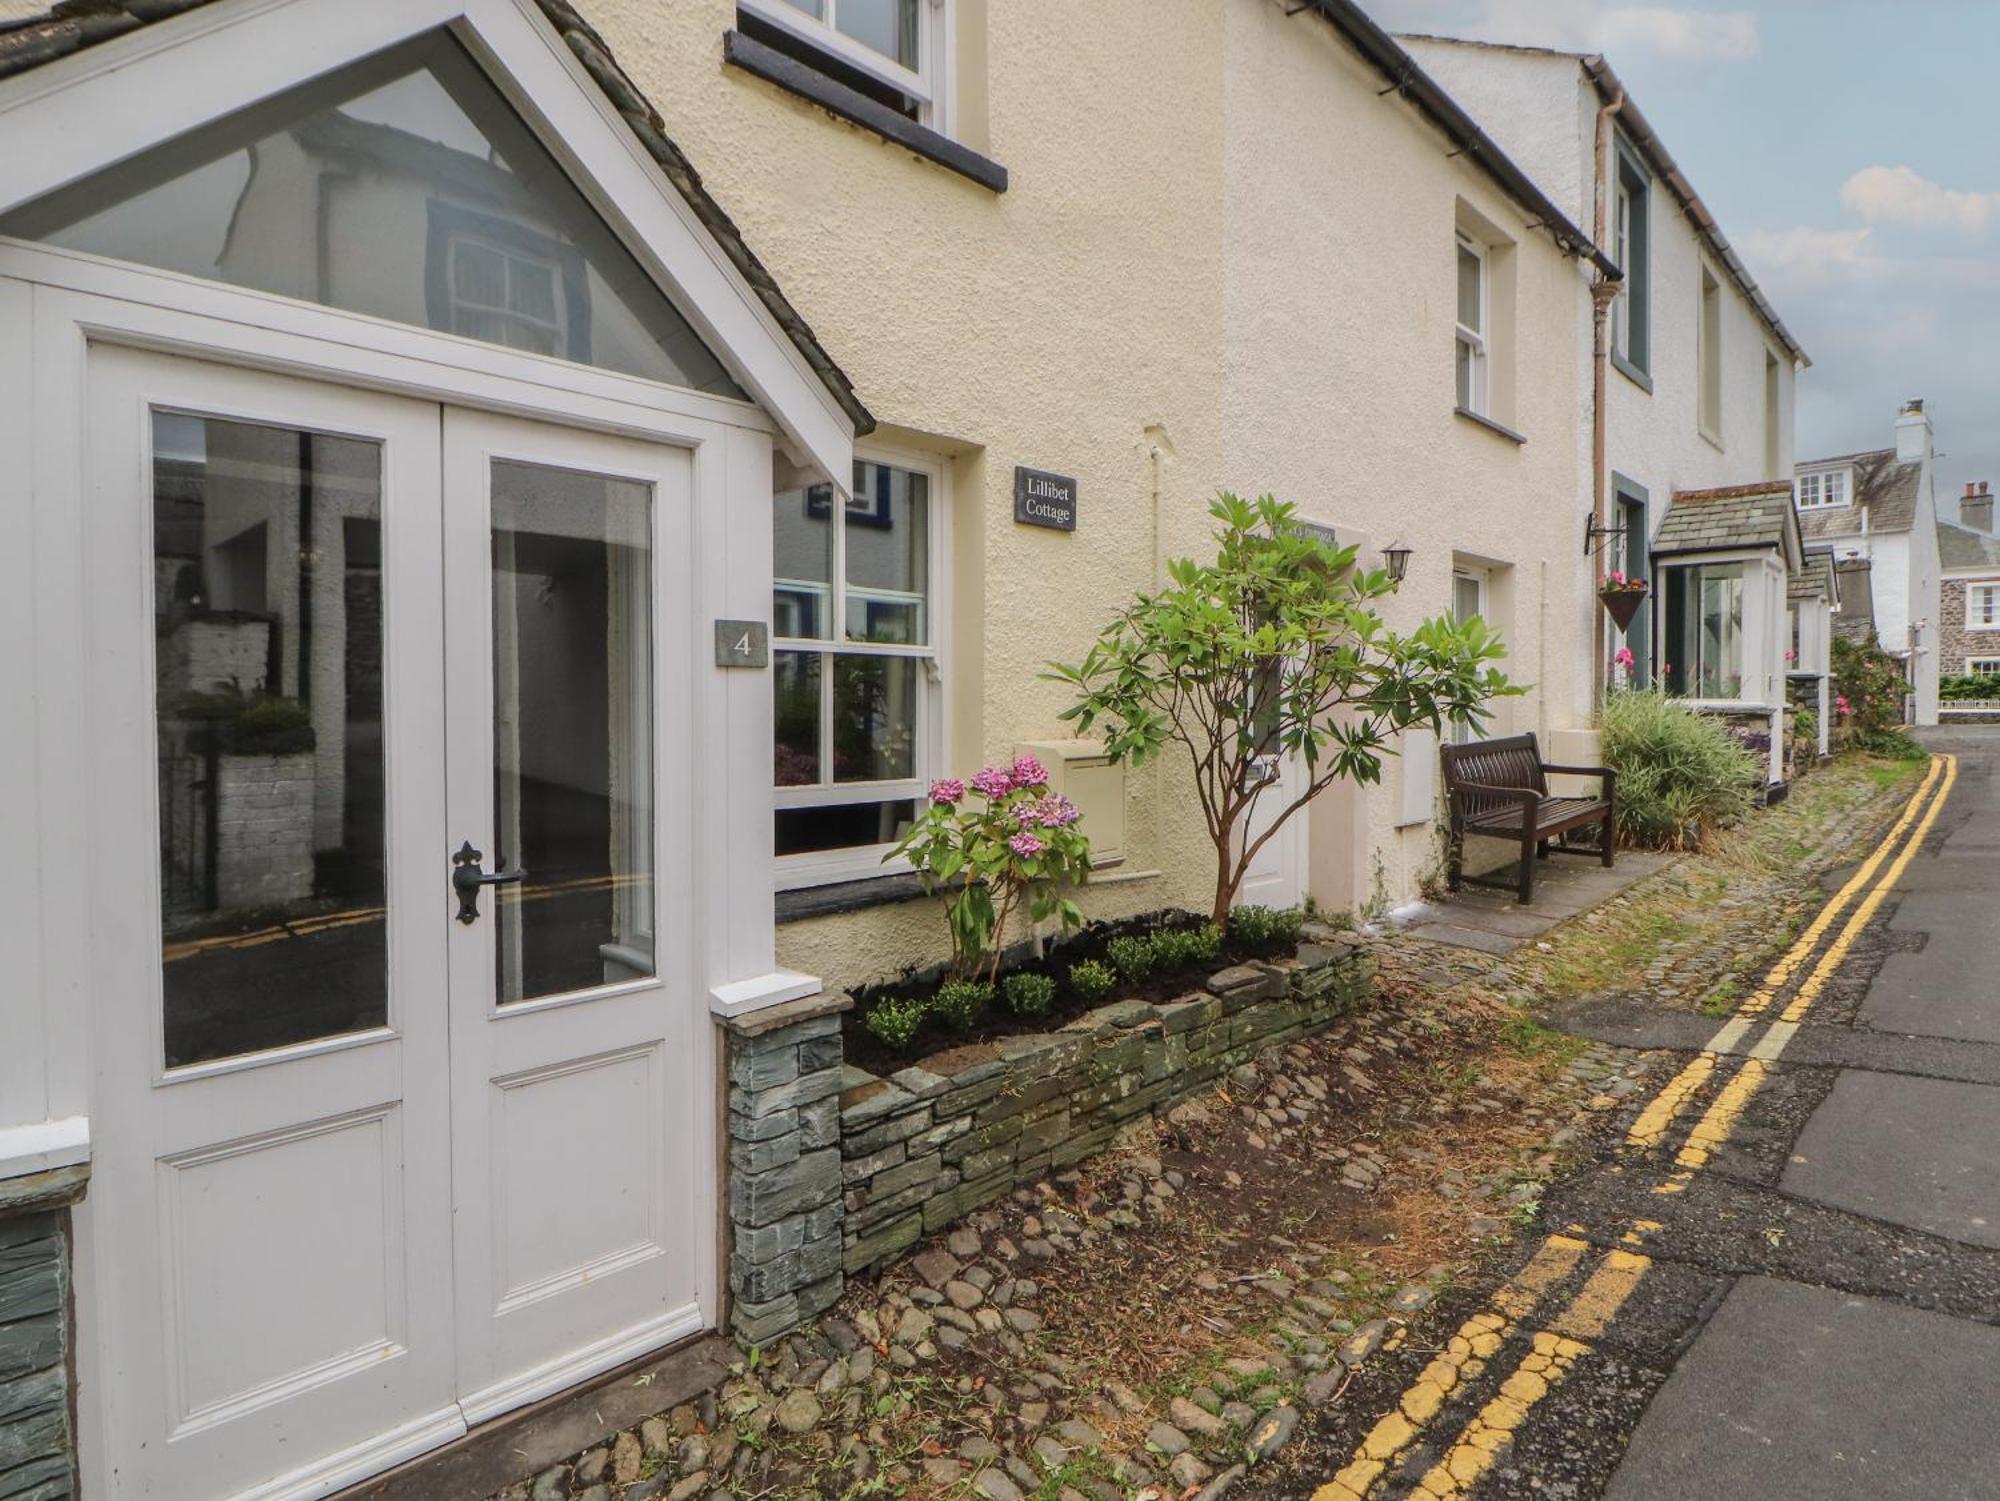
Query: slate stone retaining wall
point(932, 1142)
point(36, 1443)
point(784, 1065)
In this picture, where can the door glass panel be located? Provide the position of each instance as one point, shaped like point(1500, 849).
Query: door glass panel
point(402, 186)
point(572, 728)
point(267, 615)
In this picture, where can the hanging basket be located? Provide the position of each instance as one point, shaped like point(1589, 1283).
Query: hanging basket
point(1622, 605)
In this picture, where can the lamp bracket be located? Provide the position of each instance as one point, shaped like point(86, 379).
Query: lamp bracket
point(1595, 536)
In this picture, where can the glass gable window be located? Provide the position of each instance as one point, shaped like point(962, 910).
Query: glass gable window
point(854, 661)
point(403, 186)
point(1704, 636)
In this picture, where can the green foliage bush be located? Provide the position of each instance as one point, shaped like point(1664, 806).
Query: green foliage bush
point(1090, 981)
point(959, 1002)
point(1958, 687)
point(1029, 994)
point(893, 1020)
point(1266, 927)
point(1681, 775)
point(1131, 956)
point(1868, 688)
point(1895, 745)
point(1176, 949)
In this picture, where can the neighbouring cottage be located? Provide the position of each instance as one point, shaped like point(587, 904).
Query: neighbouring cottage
point(1880, 507)
point(1725, 560)
point(1815, 601)
point(1969, 597)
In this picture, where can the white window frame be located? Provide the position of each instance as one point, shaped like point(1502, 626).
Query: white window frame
point(557, 328)
point(1825, 490)
point(1479, 395)
point(1464, 731)
point(1990, 590)
point(928, 84)
point(1983, 667)
point(859, 862)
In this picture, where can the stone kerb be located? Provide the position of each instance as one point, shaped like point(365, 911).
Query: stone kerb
point(932, 1142)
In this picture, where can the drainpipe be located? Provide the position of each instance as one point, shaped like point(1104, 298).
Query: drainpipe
point(1602, 290)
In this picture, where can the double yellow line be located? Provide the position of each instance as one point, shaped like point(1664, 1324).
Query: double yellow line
point(1555, 1349)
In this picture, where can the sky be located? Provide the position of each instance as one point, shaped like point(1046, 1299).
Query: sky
point(1848, 149)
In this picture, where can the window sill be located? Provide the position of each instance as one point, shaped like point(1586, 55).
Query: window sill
point(1498, 429)
point(1632, 372)
point(845, 896)
point(795, 77)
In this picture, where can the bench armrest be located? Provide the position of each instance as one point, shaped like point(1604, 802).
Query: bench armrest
point(1581, 771)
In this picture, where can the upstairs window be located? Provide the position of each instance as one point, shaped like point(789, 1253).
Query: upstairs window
point(1632, 248)
point(1819, 492)
point(1709, 341)
point(892, 51)
point(1474, 379)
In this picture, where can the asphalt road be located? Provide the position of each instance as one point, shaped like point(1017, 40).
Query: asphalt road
point(1784, 1284)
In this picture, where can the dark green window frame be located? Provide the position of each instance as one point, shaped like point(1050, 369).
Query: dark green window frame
point(1634, 358)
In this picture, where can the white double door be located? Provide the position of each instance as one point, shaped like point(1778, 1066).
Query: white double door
point(365, 1172)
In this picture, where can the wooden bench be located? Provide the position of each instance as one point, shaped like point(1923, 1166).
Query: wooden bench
point(1500, 788)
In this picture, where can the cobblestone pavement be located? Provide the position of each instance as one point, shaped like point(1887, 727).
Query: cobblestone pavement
point(1779, 1277)
point(1228, 1299)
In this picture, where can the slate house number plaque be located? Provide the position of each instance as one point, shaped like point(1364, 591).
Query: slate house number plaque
point(1044, 499)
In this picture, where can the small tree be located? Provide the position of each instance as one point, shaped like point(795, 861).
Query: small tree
point(1274, 649)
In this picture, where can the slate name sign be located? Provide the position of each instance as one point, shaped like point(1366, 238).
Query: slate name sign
point(1044, 499)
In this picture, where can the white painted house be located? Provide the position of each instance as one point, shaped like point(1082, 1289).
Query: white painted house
point(1880, 506)
point(1696, 369)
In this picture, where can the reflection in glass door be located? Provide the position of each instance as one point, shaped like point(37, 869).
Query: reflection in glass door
point(572, 728)
point(267, 618)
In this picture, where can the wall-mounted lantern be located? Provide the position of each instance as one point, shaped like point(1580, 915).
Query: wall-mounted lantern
point(1396, 558)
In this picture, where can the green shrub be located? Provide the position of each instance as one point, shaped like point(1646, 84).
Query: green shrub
point(1091, 982)
point(1681, 775)
point(1868, 688)
point(1266, 927)
point(959, 1002)
point(1132, 957)
point(1957, 687)
point(1176, 949)
point(893, 1020)
point(1896, 745)
point(1029, 994)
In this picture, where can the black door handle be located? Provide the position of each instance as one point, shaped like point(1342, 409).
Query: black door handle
point(467, 878)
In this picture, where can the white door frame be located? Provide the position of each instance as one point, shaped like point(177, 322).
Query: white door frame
point(70, 301)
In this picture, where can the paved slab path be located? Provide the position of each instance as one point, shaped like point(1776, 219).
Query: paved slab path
point(1785, 1282)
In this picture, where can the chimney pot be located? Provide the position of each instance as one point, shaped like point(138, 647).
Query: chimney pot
point(1982, 487)
point(1970, 491)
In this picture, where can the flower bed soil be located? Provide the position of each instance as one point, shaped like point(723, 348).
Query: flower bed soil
point(867, 1051)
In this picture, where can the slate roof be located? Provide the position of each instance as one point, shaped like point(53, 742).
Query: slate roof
point(1856, 620)
point(1884, 490)
point(73, 25)
point(1961, 547)
point(1816, 579)
point(1735, 516)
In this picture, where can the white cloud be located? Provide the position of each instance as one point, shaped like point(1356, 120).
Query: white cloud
point(1673, 32)
point(1898, 195)
point(1807, 257)
point(1696, 36)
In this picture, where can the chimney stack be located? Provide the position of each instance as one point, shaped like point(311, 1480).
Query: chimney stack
point(1913, 432)
point(1975, 508)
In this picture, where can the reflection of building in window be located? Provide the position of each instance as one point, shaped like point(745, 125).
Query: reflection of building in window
point(855, 670)
point(505, 297)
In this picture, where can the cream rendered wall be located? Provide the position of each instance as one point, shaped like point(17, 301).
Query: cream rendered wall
point(1071, 323)
point(1339, 297)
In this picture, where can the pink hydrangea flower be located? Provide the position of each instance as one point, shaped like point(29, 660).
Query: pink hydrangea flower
point(1027, 815)
point(1054, 811)
point(992, 782)
point(1625, 659)
point(1028, 772)
point(1026, 845)
point(947, 791)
